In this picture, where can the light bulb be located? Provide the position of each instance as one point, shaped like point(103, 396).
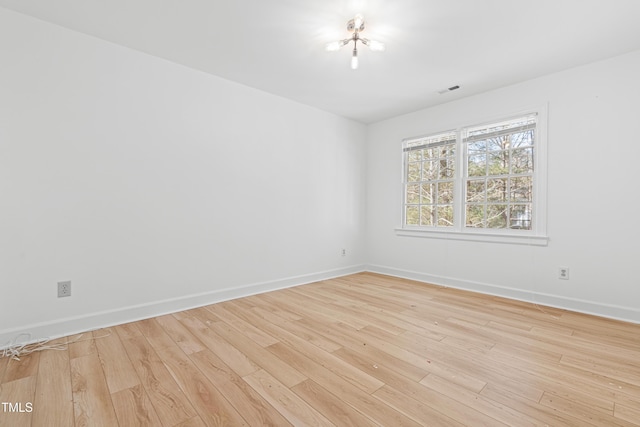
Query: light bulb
point(354, 60)
point(357, 22)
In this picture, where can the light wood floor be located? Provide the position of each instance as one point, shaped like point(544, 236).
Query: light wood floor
point(360, 350)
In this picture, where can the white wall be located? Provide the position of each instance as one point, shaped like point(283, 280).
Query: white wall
point(593, 205)
point(154, 187)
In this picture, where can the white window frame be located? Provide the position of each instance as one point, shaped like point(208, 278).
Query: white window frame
point(536, 236)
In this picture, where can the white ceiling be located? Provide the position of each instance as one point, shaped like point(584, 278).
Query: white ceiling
point(278, 45)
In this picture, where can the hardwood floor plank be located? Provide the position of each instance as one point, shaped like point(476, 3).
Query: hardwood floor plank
point(253, 407)
point(133, 408)
point(271, 316)
point(544, 414)
point(91, 399)
point(346, 371)
point(310, 336)
point(384, 294)
point(228, 315)
point(259, 355)
point(27, 366)
point(444, 404)
point(558, 377)
point(17, 402)
point(583, 412)
point(292, 407)
point(602, 328)
point(337, 410)
point(127, 331)
point(419, 412)
point(503, 413)
point(353, 340)
point(180, 335)
point(405, 355)
point(155, 334)
point(203, 314)
point(81, 345)
point(360, 400)
point(627, 413)
point(168, 400)
point(627, 371)
point(238, 361)
point(369, 365)
point(53, 403)
point(193, 422)
point(208, 401)
point(279, 304)
point(332, 311)
point(597, 403)
point(116, 365)
point(508, 373)
point(354, 304)
point(439, 362)
point(4, 362)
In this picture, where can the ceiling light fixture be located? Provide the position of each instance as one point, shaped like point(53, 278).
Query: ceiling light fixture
point(355, 26)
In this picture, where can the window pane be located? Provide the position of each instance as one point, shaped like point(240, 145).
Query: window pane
point(429, 170)
point(475, 216)
point(496, 216)
point(428, 154)
point(445, 192)
point(497, 190)
point(446, 150)
point(413, 193)
point(445, 216)
point(412, 215)
point(427, 194)
point(477, 165)
point(413, 172)
point(522, 160)
point(521, 189)
point(475, 191)
point(477, 146)
point(522, 139)
point(446, 168)
point(426, 215)
point(499, 162)
point(520, 217)
point(498, 144)
point(415, 156)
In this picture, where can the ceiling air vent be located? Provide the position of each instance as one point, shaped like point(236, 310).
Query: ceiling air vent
point(449, 89)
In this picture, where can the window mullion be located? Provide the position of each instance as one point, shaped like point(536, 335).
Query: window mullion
point(459, 200)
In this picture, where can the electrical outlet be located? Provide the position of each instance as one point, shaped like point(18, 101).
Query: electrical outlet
point(563, 273)
point(344, 252)
point(64, 289)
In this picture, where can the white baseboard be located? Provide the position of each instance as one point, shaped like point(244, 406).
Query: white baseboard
point(88, 322)
point(627, 314)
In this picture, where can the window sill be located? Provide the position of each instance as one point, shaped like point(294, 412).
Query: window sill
point(514, 239)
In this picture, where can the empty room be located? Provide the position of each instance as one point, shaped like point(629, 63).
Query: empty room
point(319, 213)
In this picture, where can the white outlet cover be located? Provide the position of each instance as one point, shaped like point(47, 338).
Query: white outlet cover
point(563, 273)
point(64, 289)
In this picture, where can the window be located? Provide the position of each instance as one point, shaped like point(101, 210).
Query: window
point(430, 169)
point(477, 181)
